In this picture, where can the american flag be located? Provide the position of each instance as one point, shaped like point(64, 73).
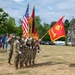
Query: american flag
point(25, 25)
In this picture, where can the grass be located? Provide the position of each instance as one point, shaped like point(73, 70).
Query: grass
point(24, 72)
point(1, 59)
point(52, 60)
point(9, 73)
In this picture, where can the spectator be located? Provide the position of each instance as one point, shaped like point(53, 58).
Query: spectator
point(3, 41)
point(0, 41)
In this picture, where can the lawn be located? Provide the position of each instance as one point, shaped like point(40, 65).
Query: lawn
point(52, 60)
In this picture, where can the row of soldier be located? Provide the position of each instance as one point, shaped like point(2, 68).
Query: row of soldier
point(24, 49)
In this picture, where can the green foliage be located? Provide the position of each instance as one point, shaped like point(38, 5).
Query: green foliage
point(1, 10)
point(11, 26)
point(8, 25)
point(39, 27)
point(52, 23)
point(46, 28)
point(3, 19)
point(66, 25)
point(24, 72)
point(19, 31)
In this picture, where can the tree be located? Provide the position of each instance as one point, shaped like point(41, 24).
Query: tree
point(39, 27)
point(11, 26)
point(66, 25)
point(1, 10)
point(46, 28)
point(3, 19)
point(19, 30)
point(52, 23)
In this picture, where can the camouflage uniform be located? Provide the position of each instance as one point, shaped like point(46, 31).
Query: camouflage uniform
point(10, 49)
point(29, 55)
point(22, 52)
point(34, 49)
point(25, 53)
point(29, 52)
point(17, 52)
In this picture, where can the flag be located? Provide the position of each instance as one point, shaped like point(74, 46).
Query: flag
point(25, 24)
point(33, 32)
point(36, 36)
point(57, 31)
point(32, 23)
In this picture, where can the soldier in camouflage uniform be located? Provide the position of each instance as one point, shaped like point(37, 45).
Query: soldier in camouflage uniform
point(34, 49)
point(22, 56)
point(17, 52)
point(10, 49)
point(29, 52)
point(25, 52)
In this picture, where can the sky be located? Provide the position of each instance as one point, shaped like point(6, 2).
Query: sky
point(48, 10)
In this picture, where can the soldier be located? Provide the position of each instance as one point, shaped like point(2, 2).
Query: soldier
point(10, 49)
point(29, 51)
point(17, 52)
point(24, 49)
point(34, 48)
point(22, 52)
point(25, 52)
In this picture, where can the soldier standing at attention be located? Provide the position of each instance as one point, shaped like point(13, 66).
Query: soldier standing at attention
point(10, 49)
point(33, 43)
point(17, 52)
point(22, 52)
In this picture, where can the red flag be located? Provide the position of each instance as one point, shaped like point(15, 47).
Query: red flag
point(33, 31)
point(32, 23)
point(35, 34)
point(25, 26)
point(57, 31)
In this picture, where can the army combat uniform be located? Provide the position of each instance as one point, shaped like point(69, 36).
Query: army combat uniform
point(34, 50)
point(28, 52)
point(10, 49)
point(17, 52)
point(22, 52)
point(25, 53)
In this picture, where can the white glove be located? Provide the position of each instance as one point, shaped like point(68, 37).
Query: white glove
point(20, 45)
point(19, 52)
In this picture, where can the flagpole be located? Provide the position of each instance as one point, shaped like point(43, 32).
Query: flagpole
point(44, 35)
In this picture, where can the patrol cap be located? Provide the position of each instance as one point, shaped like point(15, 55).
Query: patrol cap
point(11, 34)
point(17, 37)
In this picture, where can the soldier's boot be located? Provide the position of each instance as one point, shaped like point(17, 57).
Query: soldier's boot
point(9, 62)
point(30, 63)
point(21, 66)
point(16, 67)
point(26, 65)
point(33, 62)
point(39, 48)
